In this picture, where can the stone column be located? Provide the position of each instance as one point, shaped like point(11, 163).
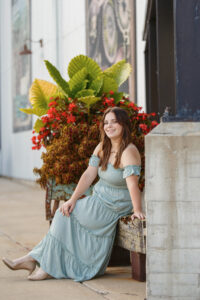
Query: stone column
point(172, 195)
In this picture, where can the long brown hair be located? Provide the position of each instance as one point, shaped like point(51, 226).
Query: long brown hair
point(124, 120)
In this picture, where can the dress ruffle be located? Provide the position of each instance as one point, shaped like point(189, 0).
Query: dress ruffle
point(131, 170)
point(57, 261)
point(94, 161)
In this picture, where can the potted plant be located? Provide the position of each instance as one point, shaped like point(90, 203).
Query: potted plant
point(68, 118)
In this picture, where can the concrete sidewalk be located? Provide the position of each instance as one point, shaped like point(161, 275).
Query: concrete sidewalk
point(23, 225)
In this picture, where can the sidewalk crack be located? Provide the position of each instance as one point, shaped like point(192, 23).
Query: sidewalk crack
point(14, 241)
point(99, 292)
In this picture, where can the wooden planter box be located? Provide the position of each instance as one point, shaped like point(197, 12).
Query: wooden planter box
point(130, 242)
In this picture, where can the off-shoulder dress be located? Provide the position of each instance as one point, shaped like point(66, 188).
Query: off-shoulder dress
point(79, 246)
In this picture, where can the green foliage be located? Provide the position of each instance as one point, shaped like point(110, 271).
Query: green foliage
point(81, 61)
point(78, 82)
point(35, 111)
point(77, 78)
point(87, 84)
point(55, 74)
point(89, 101)
point(96, 84)
point(109, 84)
point(118, 96)
point(37, 95)
point(40, 95)
point(38, 124)
point(84, 93)
point(119, 71)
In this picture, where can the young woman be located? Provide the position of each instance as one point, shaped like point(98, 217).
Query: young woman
point(79, 242)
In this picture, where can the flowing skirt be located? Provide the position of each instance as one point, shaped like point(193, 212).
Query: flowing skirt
point(79, 246)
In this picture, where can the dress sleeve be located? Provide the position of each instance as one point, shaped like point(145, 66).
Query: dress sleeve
point(131, 170)
point(94, 161)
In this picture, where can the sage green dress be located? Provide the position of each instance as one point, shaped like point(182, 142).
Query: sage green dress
point(79, 246)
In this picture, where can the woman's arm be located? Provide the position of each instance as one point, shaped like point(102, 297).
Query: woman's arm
point(84, 183)
point(132, 184)
point(86, 179)
point(131, 156)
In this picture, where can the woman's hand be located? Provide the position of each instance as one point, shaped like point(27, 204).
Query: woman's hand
point(67, 207)
point(139, 215)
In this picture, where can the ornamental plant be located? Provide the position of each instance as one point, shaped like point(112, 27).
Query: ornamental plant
point(69, 113)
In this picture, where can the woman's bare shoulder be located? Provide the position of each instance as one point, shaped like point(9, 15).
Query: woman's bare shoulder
point(98, 149)
point(131, 156)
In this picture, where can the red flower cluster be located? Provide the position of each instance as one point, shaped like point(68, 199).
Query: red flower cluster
point(73, 132)
point(146, 128)
point(57, 115)
point(71, 119)
point(72, 106)
point(36, 143)
point(109, 102)
point(143, 127)
point(53, 103)
point(134, 107)
point(154, 123)
point(62, 112)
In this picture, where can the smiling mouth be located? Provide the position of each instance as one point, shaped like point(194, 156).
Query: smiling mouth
point(110, 131)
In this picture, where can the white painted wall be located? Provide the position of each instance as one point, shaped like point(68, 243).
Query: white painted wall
point(72, 31)
point(17, 158)
point(61, 25)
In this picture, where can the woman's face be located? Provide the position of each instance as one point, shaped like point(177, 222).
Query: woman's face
point(112, 128)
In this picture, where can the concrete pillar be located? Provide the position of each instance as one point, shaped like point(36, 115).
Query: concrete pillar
point(172, 195)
